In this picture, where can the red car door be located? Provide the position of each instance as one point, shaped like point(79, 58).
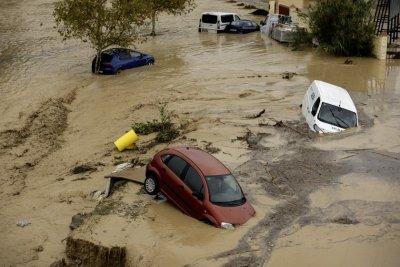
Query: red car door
point(174, 186)
point(193, 192)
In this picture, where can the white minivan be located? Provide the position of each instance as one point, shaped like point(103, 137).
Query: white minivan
point(328, 108)
point(216, 21)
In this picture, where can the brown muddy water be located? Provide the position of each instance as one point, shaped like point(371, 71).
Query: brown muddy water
point(329, 200)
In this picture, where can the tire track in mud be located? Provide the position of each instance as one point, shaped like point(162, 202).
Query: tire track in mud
point(22, 149)
point(289, 181)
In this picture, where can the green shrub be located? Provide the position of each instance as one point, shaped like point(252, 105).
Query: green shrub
point(166, 130)
point(342, 27)
point(302, 38)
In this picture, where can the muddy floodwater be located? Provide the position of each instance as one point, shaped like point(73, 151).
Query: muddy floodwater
point(320, 200)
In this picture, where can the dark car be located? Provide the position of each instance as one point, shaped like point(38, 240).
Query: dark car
point(198, 184)
point(242, 26)
point(116, 59)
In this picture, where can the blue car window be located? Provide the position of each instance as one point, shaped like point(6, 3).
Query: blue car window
point(135, 54)
point(106, 58)
point(124, 56)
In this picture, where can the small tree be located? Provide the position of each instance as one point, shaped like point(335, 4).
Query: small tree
point(102, 23)
point(342, 27)
point(175, 7)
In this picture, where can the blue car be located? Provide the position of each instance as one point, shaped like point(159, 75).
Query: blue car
point(116, 59)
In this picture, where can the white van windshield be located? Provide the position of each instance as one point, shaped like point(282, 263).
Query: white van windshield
point(207, 18)
point(337, 116)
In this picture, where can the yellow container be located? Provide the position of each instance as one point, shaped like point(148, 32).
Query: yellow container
point(126, 141)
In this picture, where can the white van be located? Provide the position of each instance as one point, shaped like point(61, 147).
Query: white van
point(328, 108)
point(216, 21)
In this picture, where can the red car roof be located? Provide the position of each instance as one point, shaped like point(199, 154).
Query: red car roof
point(207, 163)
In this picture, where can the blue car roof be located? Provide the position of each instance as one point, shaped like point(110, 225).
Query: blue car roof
point(115, 51)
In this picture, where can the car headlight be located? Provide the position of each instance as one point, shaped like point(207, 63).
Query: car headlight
point(228, 226)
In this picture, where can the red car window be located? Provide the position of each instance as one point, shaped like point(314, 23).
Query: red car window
point(177, 165)
point(193, 180)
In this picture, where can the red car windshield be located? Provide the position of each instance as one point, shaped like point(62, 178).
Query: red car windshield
point(224, 190)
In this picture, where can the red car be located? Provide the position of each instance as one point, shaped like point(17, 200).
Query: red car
point(200, 185)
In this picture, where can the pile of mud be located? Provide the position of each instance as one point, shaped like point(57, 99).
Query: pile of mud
point(42, 134)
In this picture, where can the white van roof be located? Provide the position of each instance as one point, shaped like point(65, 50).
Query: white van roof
point(334, 95)
point(218, 13)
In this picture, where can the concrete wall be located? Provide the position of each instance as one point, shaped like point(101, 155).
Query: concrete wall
point(380, 47)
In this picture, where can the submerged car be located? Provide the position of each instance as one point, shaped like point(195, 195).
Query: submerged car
point(242, 26)
point(328, 108)
point(199, 185)
point(216, 22)
point(116, 59)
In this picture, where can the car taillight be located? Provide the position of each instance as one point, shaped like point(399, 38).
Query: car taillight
point(218, 25)
point(107, 65)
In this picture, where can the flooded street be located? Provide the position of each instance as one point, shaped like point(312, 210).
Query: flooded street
point(321, 200)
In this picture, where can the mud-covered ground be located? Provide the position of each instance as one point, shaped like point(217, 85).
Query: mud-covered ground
point(321, 200)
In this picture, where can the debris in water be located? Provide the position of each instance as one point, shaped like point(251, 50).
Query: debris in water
point(260, 12)
point(288, 75)
point(348, 62)
point(123, 166)
point(346, 220)
point(23, 223)
point(210, 148)
point(258, 114)
point(77, 220)
point(83, 168)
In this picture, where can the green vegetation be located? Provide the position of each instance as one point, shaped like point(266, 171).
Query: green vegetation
point(302, 39)
point(166, 130)
point(175, 7)
point(342, 27)
point(102, 23)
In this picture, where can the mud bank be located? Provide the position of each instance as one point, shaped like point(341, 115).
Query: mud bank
point(85, 253)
